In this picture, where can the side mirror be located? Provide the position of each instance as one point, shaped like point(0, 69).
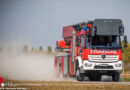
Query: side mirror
point(125, 41)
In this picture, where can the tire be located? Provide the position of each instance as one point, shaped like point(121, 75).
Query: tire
point(116, 77)
point(79, 76)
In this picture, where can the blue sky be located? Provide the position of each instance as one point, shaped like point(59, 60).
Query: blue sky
point(39, 22)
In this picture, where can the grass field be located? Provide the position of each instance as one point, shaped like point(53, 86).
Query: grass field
point(78, 87)
point(71, 85)
point(126, 78)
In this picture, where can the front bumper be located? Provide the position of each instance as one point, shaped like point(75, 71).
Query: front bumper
point(115, 66)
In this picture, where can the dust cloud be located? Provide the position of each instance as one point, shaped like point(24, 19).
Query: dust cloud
point(27, 66)
point(30, 66)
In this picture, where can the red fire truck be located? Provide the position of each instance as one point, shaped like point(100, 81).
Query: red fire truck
point(91, 49)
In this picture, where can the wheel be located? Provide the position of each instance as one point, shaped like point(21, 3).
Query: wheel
point(79, 76)
point(116, 77)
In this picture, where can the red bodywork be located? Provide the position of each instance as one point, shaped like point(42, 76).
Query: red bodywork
point(61, 44)
point(102, 51)
point(1, 80)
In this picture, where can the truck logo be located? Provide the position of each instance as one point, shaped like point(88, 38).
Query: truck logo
point(103, 56)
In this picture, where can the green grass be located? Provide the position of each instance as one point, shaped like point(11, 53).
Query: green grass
point(126, 79)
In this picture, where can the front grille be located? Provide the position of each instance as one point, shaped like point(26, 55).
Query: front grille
point(108, 58)
point(103, 67)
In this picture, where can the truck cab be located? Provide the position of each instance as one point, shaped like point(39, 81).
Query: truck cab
point(102, 56)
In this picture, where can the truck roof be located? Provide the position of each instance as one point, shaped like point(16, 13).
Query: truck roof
point(99, 27)
point(108, 27)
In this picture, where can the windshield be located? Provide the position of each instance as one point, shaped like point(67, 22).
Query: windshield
point(110, 42)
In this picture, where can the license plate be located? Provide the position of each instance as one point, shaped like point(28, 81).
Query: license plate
point(103, 64)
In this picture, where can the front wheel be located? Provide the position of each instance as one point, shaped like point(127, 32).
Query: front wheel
point(116, 77)
point(79, 76)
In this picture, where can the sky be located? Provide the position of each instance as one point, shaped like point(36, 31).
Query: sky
point(39, 22)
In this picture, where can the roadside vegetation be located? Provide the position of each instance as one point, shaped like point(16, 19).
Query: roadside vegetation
point(126, 57)
point(126, 79)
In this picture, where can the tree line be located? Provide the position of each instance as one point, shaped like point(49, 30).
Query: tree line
point(40, 49)
point(26, 49)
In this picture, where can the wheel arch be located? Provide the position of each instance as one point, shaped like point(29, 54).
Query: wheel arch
point(79, 59)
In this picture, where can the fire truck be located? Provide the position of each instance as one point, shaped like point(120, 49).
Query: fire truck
point(91, 49)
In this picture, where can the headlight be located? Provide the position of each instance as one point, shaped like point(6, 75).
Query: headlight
point(117, 65)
